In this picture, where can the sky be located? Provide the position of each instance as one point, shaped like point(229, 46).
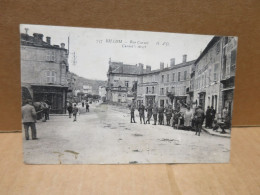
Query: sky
point(93, 47)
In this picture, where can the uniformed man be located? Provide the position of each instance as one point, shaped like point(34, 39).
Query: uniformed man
point(155, 112)
point(149, 112)
point(132, 110)
point(199, 118)
point(141, 113)
point(161, 112)
point(168, 113)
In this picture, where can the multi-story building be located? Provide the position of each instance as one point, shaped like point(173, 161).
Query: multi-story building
point(175, 80)
point(207, 86)
point(44, 70)
point(148, 86)
point(87, 89)
point(122, 79)
point(228, 71)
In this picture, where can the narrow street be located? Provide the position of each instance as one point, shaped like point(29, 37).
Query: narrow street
point(106, 136)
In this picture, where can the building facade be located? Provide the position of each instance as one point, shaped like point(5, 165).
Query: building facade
point(207, 85)
point(122, 80)
point(44, 69)
point(87, 89)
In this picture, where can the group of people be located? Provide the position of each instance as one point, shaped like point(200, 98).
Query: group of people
point(74, 110)
point(186, 119)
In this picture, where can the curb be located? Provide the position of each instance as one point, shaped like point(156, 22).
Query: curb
point(218, 135)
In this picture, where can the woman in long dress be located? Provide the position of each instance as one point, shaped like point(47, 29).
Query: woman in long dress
point(187, 118)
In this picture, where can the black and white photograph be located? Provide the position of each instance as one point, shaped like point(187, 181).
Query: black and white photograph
point(106, 96)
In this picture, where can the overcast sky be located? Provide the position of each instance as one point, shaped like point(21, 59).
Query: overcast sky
point(93, 47)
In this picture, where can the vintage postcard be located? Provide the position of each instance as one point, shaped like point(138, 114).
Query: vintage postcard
point(103, 96)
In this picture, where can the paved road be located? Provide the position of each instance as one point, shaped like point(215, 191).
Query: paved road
point(106, 136)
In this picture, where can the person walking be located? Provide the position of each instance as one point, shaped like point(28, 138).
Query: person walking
point(141, 113)
point(199, 118)
point(168, 113)
point(161, 112)
point(29, 119)
point(69, 108)
point(132, 110)
point(155, 112)
point(149, 113)
point(45, 111)
point(75, 112)
point(87, 107)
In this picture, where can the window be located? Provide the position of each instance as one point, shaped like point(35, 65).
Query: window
point(167, 77)
point(153, 90)
point(50, 76)
point(147, 89)
point(127, 83)
point(179, 76)
point(173, 75)
point(173, 90)
point(215, 72)
point(162, 91)
point(162, 78)
point(185, 75)
point(167, 89)
point(50, 56)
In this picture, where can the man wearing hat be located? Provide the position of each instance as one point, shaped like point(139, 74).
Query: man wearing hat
point(199, 118)
point(29, 119)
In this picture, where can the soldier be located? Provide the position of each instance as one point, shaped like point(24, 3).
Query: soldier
point(87, 107)
point(155, 112)
point(208, 117)
point(29, 119)
point(141, 113)
point(69, 108)
point(212, 114)
point(75, 111)
point(161, 111)
point(168, 113)
point(132, 109)
point(149, 113)
point(199, 118)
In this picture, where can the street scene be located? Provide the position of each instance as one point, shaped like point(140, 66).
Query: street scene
point(150, 105)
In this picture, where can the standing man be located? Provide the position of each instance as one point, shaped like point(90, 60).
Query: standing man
point(161, 111)
point(69, 108)
point(208, 117)
point(212, 114)
point(132, 110)
point(155, 112)
point(87, 107)
point(199, 118)
point(29, 119)
point(168, 113)
point(75, 111)
point(149, 112)
point(141, 113)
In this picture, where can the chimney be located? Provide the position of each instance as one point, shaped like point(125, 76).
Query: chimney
point(184, 58)
point(48, 40)
point(161, 65)
point(172, 62)
point(148, 68)
point(37, 37)
point(62, 45)
point(141, 67)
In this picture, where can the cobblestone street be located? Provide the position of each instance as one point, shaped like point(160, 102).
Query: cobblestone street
point(106, 136)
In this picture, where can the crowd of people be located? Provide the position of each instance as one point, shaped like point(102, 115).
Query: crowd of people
point(182, 117)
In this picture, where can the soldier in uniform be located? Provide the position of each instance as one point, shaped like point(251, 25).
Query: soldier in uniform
point(141, 113)
point(132, 110)
point(168, 113)
point(149, 110)
point(161, 112)
point(199, 118)
point(155, 112)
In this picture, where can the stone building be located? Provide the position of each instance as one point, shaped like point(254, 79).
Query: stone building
point(148, 86)
point(122, 80)
point(207, 86)
point(175, 80)
point(44, 70)
point(228, 71)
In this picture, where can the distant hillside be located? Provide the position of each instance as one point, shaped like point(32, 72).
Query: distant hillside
point(80, 81)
